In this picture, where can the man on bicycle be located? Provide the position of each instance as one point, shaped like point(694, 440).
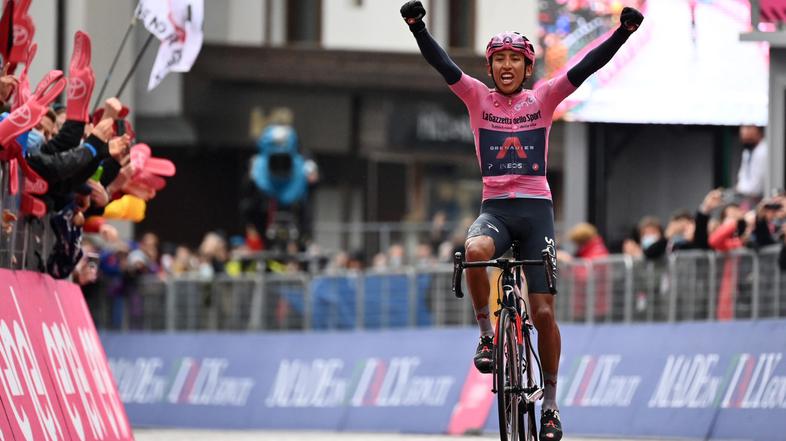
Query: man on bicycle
point(511, 127)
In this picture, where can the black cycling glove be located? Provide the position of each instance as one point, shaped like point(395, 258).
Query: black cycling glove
point(413, 13)
point(630, 19)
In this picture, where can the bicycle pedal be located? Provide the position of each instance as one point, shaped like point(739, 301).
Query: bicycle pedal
point(534, 396)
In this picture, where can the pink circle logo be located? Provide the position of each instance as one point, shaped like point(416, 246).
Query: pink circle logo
point(77, 89)
point(21, 117)
point(20, 35)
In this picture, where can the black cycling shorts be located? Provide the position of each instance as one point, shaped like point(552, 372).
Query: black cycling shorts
point(529, 221)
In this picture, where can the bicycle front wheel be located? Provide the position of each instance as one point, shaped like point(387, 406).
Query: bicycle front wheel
point(507, 365)
point(528, 409)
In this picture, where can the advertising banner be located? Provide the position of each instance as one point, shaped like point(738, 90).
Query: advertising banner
point(88, 362)
point(689, 380)
point(374, 381)
point(29, 395)
point(46, 385)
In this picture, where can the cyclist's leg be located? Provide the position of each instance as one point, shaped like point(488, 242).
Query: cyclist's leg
point(487, 235)
point(487, 238)
point(540, 236)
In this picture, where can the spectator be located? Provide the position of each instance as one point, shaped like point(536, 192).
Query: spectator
point(680, 231)
point(379, 262)
point(60, 115)
point(86, 270)
point(424, 255)
point(396, 256)
point(732, 226)
point(753, 168)
point(769, 217)
point(144, 259)
point(213, 255)
point(438, 232)
point(699, 240)
point(183, 262)
point(651, 244)
point(357, 261)
point(590, 246)
point(338, 263)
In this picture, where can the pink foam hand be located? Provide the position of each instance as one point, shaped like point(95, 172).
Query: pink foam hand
point(160, 167)
point(24, 30)
point(150, 180)
point(81, 80)
point(143, 149)
point(139, 157)
point(156, 166)
point(30, 113)
point(139, 190)
point(32, 206)
point(10, 151)
point(33, 182)
point(13, 176)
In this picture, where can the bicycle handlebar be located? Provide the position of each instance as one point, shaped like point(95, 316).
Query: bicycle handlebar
point(504, 264)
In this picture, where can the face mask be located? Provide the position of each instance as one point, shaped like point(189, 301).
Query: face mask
point(396, 261)
point(677, 238)
point(34, 141)
point(749, 145)
point(648, 240)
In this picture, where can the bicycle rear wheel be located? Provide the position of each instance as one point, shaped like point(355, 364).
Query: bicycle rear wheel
point(507, 367)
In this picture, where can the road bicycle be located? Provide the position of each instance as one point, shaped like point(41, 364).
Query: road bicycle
point(513, 371)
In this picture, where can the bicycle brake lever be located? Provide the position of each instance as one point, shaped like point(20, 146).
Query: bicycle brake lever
point(457, 270)
point(548, 264)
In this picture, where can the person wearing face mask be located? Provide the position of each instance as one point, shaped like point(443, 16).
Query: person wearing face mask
point(652, 243)
point(753, 167)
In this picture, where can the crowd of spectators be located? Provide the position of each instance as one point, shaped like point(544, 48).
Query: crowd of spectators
point(65, 163)
point(68, 168)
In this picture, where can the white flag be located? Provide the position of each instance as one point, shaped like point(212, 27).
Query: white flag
point(178, 25)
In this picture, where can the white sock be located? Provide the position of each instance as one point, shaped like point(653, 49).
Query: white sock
point(483, 316)
point(550, 391)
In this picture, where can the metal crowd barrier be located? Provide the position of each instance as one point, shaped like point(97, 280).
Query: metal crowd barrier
point(686, 286)
point(25, 241)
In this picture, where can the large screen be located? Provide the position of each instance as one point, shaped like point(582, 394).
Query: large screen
point(685, 65)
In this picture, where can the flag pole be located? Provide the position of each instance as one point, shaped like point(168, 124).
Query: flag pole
point(131, 25)
point(135, 65)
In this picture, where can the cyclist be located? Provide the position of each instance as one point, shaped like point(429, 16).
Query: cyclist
point(511, 127)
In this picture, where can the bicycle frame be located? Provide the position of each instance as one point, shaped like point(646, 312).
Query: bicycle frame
point(512, 369)
point(512, 298)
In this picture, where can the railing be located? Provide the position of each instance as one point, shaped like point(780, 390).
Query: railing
point(688, 286)
point(25, 241)
point(375, 237)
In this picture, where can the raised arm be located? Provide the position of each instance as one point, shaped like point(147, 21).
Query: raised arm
point(630, 19)
point(413, 13)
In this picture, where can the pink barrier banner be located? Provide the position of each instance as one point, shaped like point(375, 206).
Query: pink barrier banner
point(29, 396)
point(92, 359)
point(474, 404)
point(54, 379)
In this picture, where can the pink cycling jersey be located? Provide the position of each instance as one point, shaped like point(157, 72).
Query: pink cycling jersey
point(512, 135)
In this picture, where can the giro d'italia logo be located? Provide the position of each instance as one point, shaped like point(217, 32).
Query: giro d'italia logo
point(76, 89)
